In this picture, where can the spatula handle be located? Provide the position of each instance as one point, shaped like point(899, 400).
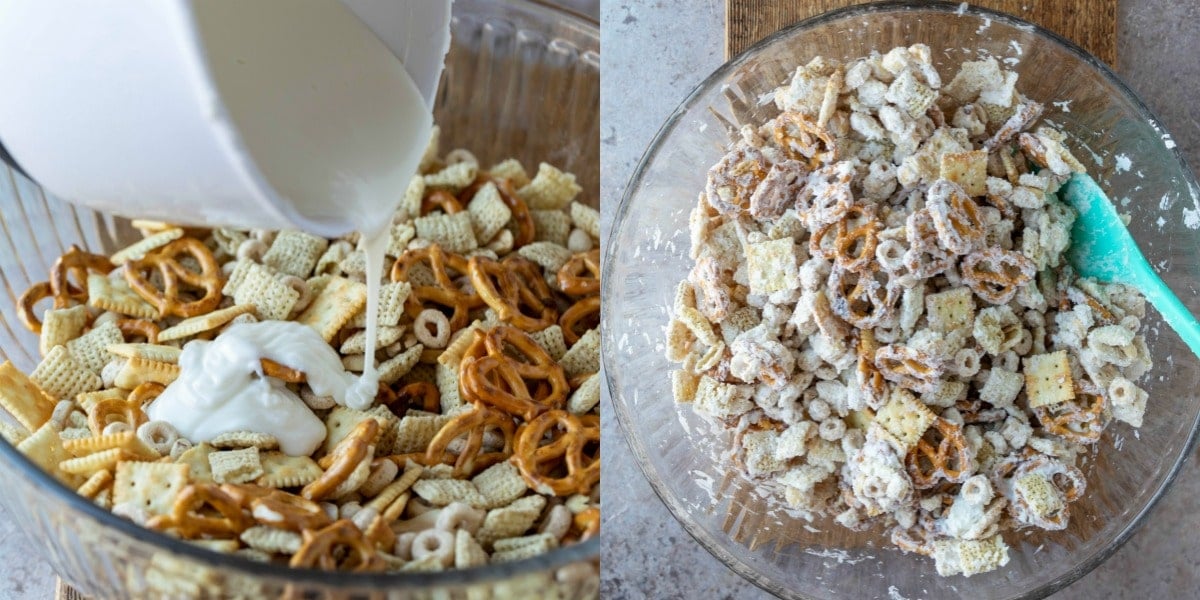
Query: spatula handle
point(1176, 314)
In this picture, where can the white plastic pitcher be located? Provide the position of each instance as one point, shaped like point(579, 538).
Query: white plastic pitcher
point(307, 114)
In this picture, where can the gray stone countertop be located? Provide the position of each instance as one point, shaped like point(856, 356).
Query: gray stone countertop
point(675, 45)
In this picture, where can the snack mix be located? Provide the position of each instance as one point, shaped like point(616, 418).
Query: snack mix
point(881, 312)
point(483, 442)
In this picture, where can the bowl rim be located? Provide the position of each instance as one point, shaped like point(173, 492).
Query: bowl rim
point(625, 417)
point(244, 567)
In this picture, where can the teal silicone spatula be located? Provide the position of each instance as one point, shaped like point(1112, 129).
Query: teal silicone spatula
point(1102, 247)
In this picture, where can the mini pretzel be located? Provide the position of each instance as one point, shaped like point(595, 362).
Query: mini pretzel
point(173, 300)
point(28, 300)
point(995, 275)
point(287, 511)
point(587, 523)
point(338, 546)
point(499, 378)
point(908, 367)
point(421, 394)
point(854, 241)
point(941, 453)
point(470, 460)
point(801, 138)
point(907, 541)
point(75, 263)
point(520, 211)
point(271, 368)
point(516, 290)
point(191, 514)
point(956, 218)
point(535, 460)
point(828, 197)
point(580, 275)
point(342, 461)
point(145, 393)
point(1079, 420)
point(871, 382)
point(861, 299)
point(579, 318)
point(117, 410)
point(138, 327)
point(925, 257)
point(446, 293)
point(1068, 480)
point(733, 180)
point(440, 199)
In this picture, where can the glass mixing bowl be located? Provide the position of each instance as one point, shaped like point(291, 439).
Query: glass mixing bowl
point(522, 79)
point(648, 253)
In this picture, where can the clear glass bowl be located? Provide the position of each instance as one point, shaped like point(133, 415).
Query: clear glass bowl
point(522, 79)
point(647, 255)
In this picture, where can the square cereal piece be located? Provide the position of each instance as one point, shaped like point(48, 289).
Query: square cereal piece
point(969, 557)
point(138, 250)
point(549, 256)
point(967, 169)
point(772, 266)
point(453, 178)
point(206, 322)
point(551, 340)
point(1001, 387)
point(910, 95)
point(721, 400)
point(905, 417)
point(410, 204)
point(392, 369)
point(586, 218)
point(441, 492)
point(61, 325)
point(684, 385)
point(551, 189)
point(1048, 379)
point(413, 433)
point(584, 356)
point(552, 226)
point(283, 471)
point(63, 377)
point(500, 484)
point(44, 447)
point(950, 310)
point(399, 237)
point(339, 301)
point(520, 548)
point(295, 252)
point(585, 397)
point(235, 466)
point(152, 487)
point(489, 214)
point(512, 520)
point(91, 349)
point(23, 399)
point(391, 302)
point(467, 552)
point(452, 232)
point(447, 380)
point(271, 297)
point(117, 296)
point(512, 170)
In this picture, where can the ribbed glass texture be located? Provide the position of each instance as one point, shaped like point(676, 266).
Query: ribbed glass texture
point(522, 79)
point(648, 254)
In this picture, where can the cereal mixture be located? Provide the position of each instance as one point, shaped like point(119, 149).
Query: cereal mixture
point(482, 445)
point(881, 311)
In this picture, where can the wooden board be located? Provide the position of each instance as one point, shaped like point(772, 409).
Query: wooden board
point(1090, 23)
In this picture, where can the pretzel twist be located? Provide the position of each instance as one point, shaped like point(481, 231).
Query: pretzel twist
point(855, 237)
point(119, 410)
point(176, 278)
point(908, 367)
point(956, 218)
point(471, 459)
point(340, 463)
point(870, 380)
point(1078, 420)
point(580, 275)
point(337, 546)
point(941, 453)
point(28, 300)
point(861, 299)
point(499, 378)
point(440, 200)
point(582, 316)
point(138, 327)
point(280, 509)
point(190, 515)
point(446, 292)
point(420, 394)
point(801, 137)
point(995, 275)
point(515, 289)
point(925, 256)
point(286, 374)
point(568, 447)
